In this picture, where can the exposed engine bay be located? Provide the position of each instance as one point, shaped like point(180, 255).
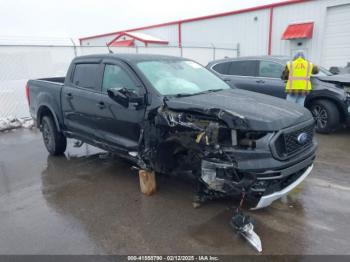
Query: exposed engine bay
point(178, 142)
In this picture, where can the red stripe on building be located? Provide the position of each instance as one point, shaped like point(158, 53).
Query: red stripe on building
point(270, 32)
point(179, 34)
point(251, 9)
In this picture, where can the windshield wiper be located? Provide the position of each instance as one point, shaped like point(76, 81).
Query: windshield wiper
point(199, 93)
point(184, 94)
point(209, 91)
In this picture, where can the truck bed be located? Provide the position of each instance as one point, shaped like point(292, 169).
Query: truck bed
point(52, 79)
point(46, 92)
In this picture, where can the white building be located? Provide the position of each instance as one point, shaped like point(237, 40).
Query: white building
point(319, 27)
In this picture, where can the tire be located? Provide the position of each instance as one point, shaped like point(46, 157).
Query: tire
point(326, 115)
point(55, 142)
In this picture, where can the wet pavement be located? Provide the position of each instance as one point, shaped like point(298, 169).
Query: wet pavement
point(88, 202)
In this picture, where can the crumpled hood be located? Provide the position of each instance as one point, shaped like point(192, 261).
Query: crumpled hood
point(334, 84)
point(240, 108)
point(344, 78)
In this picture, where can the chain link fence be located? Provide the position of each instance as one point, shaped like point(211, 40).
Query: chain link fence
point(20, 63)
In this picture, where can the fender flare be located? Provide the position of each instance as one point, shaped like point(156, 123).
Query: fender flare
point(337, 102)
point(39, 114)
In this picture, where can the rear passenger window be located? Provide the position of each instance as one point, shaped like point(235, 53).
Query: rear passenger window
point(221, 68)
point(87, 76)
point(243, 68)
point(116, 77)
point(270, 69)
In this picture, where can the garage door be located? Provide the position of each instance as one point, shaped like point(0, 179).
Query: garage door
point(336, 48)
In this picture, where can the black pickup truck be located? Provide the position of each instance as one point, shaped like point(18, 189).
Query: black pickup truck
point(171, 115)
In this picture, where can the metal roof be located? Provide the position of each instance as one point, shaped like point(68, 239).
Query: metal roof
point(147, 39)
point(122, 43)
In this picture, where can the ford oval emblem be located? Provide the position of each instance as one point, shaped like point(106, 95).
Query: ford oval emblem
point(302, 138)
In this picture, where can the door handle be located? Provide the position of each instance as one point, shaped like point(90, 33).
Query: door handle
point(260, 81)
point(69, 95)
point(101, 105)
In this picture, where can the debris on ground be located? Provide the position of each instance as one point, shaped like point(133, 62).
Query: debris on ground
point(11, 122)
point(244, 225)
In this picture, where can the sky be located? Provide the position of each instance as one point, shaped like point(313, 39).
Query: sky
point(79, 18)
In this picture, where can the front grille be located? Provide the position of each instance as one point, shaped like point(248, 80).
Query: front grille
point(286, 144)
point(291, 140)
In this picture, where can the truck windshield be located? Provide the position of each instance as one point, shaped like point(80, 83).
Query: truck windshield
point(178, 77)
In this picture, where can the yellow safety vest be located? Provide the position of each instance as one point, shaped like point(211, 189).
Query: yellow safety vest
point(299, 75)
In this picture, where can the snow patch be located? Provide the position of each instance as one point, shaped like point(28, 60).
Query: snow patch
point(10, 122)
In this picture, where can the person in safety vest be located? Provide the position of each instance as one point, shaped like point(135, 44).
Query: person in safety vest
point(298, 73)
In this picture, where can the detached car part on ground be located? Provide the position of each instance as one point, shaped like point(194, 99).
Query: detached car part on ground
point(329, 101)
point(171, 115)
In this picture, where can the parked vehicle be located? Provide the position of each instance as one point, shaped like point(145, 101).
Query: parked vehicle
point(336, 70)
point(329, 100)
point(171, 115)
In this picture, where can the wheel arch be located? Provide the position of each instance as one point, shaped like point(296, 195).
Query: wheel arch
point(45, 110)
point(309, 102)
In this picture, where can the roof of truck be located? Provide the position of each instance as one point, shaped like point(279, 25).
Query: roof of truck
point(132, 58)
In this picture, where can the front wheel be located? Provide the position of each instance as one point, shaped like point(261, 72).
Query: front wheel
point(55, 142)
point(326, 115)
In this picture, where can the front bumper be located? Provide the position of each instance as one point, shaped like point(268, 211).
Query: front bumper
point(262, 187)
point(268, 199)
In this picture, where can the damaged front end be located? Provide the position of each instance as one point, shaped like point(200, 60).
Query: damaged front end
point(228, 156)
point(203, 145)
point(179, 142)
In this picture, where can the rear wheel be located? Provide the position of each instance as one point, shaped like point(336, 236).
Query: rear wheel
point(55, 142)
point(326, 115)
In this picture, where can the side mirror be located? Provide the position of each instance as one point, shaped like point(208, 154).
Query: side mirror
point(124, 97)
point(118, 95)
point(229, 82)
point(334, 70)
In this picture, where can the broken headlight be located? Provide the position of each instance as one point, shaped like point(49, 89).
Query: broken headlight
point(348, 94)
point(236, 138)
point(246, 139)
point(347, 88)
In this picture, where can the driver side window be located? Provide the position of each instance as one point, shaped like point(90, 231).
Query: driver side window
point(115, 76)
point(270, 69)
